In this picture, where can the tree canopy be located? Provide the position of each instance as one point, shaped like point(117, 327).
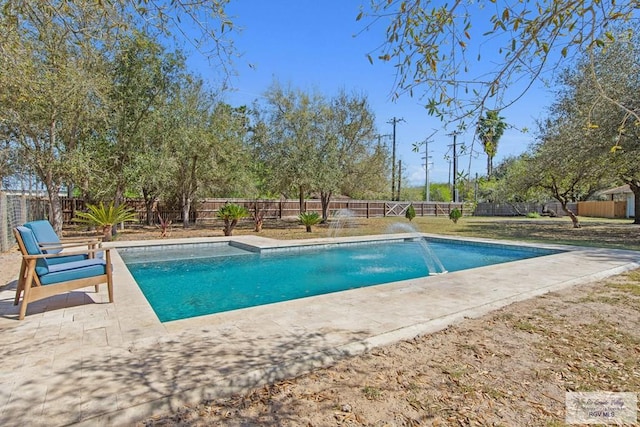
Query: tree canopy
point(464, 57)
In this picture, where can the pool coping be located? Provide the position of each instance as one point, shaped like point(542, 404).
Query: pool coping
point(67, 347)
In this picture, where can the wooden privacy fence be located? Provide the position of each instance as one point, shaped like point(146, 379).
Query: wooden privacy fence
point(603, 209)
point(206, 211)
point(18, 209)
point(521, 209)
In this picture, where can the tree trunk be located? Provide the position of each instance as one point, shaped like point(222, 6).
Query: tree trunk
point(301, 199)
point(107, 233)
point(119, 196)
point(229, 225)
point(118, 200)
point(55, 204)
point(149, 203)
point(186, 208)
point(189, 191)
point(574, 218)
point(635, 187)
point(55, 210)
point(325, 200)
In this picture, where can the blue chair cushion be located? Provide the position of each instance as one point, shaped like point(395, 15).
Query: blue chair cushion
point(32, 248)
point(66, 271)
point(44, 233)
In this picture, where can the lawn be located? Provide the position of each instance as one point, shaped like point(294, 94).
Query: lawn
point(619, 234)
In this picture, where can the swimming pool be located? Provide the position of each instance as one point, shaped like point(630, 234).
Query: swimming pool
point(183, 281)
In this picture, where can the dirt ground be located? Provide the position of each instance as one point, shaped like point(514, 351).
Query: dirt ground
point(511, 367)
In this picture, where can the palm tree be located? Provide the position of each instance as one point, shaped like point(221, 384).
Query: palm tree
point(309, 218)
point(231, 213)
point(105, 217)
point(490, 129)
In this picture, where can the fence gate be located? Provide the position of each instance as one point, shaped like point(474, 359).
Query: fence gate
point(396, 209)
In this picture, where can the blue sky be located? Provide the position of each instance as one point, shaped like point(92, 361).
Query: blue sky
point(311, 45)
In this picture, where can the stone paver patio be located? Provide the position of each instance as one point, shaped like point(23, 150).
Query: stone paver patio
point(76, 359)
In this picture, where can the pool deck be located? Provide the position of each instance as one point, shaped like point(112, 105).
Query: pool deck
point(76, 359)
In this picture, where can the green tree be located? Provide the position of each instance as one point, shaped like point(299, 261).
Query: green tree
point(440, 192)
point(511, 183)
point(295, 128)
point(568, 175)
point(347, 158)
point(489, 130)
point(311, 144)
point(203, 24)
point(53, 85)
point(596, 112)
point(143, 73)
point(410, 213)
point(205, 148)
point(434, 47)
point(605, 86)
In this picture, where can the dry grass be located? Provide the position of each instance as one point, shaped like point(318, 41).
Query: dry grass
point(620, 234)
point(510, 367)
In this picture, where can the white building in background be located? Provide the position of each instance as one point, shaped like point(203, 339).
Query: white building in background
point(622, 193)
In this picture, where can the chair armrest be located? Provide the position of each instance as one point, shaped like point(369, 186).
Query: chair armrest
point(81, 239)
point(63, 245)
point(64, 254)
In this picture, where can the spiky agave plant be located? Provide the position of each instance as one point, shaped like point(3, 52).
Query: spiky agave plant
point(105, 217)
point(308, 219)
point(231, 214)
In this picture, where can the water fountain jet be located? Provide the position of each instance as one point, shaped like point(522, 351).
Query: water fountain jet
point(433, 263)
point(341, 219)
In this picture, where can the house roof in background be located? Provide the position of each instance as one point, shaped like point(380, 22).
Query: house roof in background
point(623, 189)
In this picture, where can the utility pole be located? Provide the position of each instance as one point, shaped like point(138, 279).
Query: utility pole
point(426, 169)
point(380, 136)
point(393, 157)
point(416, 148)
point(399, 178)
point(455, 166)
point(449, 183)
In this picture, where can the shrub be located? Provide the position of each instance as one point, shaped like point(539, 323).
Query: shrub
point(105, 217)
point(410, 213)
point(533, 215)
point(308, 219)
point(231, 214)
point(455, 215)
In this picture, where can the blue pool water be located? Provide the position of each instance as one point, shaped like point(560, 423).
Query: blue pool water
point(187, 281)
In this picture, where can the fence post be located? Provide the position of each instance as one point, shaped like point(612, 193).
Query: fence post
point(4, 220)
point(23, 209)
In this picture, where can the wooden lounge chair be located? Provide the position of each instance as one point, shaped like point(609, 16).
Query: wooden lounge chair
point(50, 243)
point(44, 275)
